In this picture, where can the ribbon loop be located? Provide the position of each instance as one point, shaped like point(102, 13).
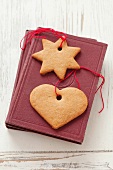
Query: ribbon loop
point(78, 84)
point(101, 85)
point(35, 34)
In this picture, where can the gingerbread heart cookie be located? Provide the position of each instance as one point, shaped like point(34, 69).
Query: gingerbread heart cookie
point(58, 110)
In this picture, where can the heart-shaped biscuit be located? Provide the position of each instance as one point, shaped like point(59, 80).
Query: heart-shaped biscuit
point(58, 110)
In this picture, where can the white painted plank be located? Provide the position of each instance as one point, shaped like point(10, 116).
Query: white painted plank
point(56, 161)
point(84, 18)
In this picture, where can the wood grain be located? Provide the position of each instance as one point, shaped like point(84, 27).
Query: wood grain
point(56, 160)
point(83, 18)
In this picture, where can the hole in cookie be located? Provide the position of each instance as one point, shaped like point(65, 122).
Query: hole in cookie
point(59, 97)
point(59, 48)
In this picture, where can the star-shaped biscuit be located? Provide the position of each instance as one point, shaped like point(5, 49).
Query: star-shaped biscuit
point(57, 59)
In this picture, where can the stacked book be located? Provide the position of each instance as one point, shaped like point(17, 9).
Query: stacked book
point(22, 116)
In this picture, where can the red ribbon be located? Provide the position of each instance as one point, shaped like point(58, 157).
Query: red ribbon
point(101, 85)
point(35, 34)
point(95, 73)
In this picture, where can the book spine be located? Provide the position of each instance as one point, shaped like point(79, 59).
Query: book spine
point(19, 70)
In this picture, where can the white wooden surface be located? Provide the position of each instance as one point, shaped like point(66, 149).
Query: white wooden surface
point(24, 150)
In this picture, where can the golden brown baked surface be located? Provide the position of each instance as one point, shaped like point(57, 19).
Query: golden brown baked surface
point(57, 59)
point(58, 111)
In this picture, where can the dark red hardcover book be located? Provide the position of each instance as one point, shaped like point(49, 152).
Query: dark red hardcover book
point(22, 116)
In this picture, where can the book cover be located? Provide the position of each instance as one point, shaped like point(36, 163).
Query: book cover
point(22, 116)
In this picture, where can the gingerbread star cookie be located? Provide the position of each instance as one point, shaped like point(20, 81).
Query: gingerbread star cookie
point(57, 59)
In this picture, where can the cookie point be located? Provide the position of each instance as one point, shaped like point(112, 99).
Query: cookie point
point(33, 55)
point(55, 127)
point(79, 49)
point(41, 72)
point(61, 77)
point(78, 67)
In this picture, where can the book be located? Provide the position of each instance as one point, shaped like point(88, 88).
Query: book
point(22, 116)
